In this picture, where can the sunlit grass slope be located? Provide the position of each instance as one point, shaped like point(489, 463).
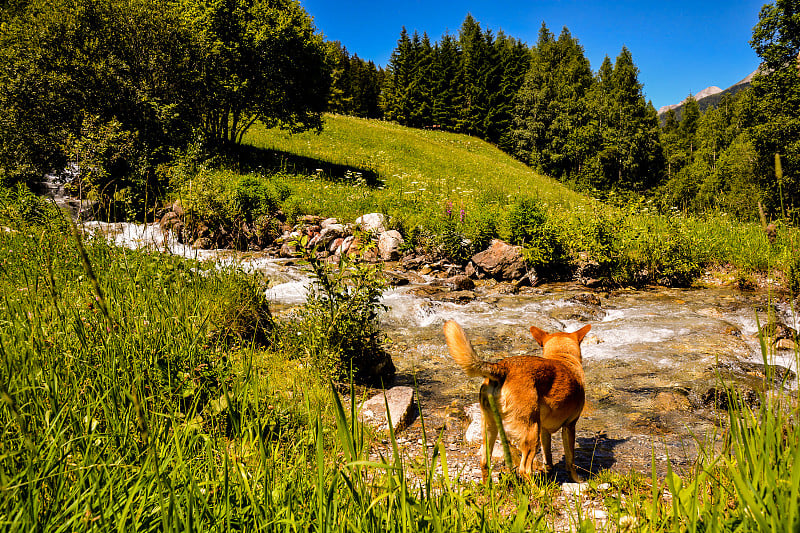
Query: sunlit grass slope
point(415, 167)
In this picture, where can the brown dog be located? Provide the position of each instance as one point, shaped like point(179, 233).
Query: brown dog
point(535, 395)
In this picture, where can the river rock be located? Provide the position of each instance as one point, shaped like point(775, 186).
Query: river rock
point(401, 407)
point(501, 261)
point(671, 401)
point(329, 222)
point(177, 208)
point(372, 222)
point(169, 220)
point(399, 279)
point(459, 297)
point(460, 283)
point(587, 298)
point(389, 243)
point(777, 330)
point(310, 220)
point(785, 344)
point(203, 243)
point(288, 250)
point(330, 233)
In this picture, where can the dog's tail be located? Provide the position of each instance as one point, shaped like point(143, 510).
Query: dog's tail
point(464, 354)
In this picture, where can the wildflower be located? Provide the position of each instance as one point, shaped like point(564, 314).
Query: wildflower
point(461, 215)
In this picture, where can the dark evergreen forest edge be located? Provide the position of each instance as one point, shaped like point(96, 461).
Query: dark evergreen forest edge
point(130, 100)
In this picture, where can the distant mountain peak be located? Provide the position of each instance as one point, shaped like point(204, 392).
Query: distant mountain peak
point(708, 93)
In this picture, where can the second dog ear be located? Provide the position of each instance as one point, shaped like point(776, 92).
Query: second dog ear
point(538, 334)
point(581, 333)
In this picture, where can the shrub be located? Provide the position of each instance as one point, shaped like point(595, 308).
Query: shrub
point(543, 241)
point(336, 330)
point(639, 251)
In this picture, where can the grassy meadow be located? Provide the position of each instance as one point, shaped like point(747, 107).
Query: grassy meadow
point(144, 392)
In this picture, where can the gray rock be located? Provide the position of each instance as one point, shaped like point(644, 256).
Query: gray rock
point(460, 283)
point(329, 222)
point(401, 403)
point(389, 243)
point(374, 222)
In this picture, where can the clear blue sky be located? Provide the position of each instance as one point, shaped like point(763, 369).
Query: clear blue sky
point(680, 47)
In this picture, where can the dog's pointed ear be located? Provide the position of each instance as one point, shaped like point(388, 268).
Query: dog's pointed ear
point(581, 333)
point(538, 334)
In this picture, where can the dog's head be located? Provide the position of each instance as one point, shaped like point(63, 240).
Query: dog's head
point(561, 343)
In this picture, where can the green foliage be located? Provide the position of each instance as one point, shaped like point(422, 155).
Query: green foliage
point(543, 240)
point(774, 112)
point(239, 311)
point(117, 87)
point(231, 206)
point(336, 330)
point(355, 84)
point(245, 72)
point(466, 83)
point(633, 250)
point(793, 273)
point(76, 73)
point(20, 207)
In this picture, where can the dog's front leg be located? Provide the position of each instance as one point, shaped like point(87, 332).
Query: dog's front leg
point(568, 436)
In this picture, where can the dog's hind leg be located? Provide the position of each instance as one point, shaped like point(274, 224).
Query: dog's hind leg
point(548, 454)
point(529, 445)
point(568, 436)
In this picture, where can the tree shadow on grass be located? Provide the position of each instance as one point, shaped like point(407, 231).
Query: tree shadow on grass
point(245, 158)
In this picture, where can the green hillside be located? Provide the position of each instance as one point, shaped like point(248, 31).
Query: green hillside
point(415, 167)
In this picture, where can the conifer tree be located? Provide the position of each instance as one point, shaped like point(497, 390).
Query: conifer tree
point(398, 79)
point(631, 156)
point(420, 90)
point(514, 59)
point(551, 116)
point(448, 81)
point(475, 65)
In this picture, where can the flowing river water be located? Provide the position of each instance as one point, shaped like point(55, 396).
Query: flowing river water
point(653, 358)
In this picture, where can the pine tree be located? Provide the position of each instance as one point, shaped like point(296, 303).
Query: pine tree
point(631, 156)
point(398, 79)
point(551, 123)
point(448, 81)
point(339, 98)
point(475, 62)
point(420, 90)
point(514, 60)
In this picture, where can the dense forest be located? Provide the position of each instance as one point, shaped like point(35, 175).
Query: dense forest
point(120, 89)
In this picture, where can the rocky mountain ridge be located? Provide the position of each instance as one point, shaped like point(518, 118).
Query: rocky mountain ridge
point(708, 97)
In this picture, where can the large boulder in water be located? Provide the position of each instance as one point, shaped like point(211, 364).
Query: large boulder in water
point(501, 261)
